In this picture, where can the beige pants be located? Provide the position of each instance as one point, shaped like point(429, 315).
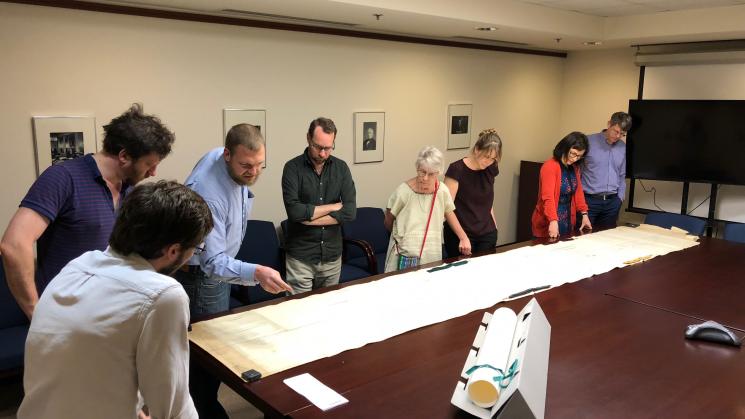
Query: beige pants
point(304, 277)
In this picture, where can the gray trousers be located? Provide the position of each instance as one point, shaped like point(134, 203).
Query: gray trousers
point(303, 276)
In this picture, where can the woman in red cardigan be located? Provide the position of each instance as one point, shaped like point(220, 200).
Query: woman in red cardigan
point(560, 193)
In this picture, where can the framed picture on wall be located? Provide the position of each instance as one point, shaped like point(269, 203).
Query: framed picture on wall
point(61, 138)
point(369, 136)
point(459, 126)
point(255, 117)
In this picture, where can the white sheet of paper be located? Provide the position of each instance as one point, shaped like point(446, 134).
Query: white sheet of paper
point(318, 393)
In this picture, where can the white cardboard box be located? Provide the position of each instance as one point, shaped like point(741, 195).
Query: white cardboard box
point(525, 395)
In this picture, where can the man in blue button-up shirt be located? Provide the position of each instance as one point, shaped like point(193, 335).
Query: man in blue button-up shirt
point(222, 178)
point(604, 171)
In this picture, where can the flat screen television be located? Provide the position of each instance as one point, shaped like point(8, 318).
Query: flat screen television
point(687, 140)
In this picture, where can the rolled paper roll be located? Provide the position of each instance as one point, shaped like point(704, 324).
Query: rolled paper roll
point(483, 391)
point(495, 351)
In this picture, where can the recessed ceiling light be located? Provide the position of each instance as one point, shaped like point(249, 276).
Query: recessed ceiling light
point(486, 28)
point(593, 43)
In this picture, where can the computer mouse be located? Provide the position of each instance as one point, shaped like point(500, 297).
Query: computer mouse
point(712, 331)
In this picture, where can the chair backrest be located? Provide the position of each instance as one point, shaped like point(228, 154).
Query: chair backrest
point(261, 245)
point(11, 314)
point(285, 226)
point(688, 223)
point(367, 226)
point(734, 232)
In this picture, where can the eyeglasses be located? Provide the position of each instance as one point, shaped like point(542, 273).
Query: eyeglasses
point(321, 148)
point(423, 173)
point(199, 249)
point(575, 155)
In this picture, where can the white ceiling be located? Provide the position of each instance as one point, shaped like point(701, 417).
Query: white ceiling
point(606, 8)
point(561, 25)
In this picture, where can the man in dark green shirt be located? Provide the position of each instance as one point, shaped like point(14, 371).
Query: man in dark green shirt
point(319, 196)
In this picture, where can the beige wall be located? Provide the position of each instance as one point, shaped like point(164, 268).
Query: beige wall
point(63, 62)
point(596, 84)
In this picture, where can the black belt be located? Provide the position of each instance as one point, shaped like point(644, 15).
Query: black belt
point(192, 269)
point(602, 196)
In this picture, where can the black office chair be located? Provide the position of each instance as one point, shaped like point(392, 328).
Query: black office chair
point(734, 232)
point(367, 227)
point(260, 246)
point(688, 223)
point(349, 272)
point(13, 330)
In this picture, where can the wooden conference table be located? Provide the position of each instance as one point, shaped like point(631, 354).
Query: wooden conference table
point(617, 350)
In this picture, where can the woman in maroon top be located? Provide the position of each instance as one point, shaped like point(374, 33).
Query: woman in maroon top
point(471, 183)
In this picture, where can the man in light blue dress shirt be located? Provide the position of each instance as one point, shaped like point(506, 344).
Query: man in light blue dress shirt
point(222, 178)
point(604, 171)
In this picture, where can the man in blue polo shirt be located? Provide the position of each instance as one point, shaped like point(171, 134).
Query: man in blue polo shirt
point(604, 171)
point(71, 207)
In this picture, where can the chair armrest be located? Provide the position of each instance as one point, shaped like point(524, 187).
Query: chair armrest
point(372, 261)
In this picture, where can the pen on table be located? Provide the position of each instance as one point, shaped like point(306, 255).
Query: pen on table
point(529, 290)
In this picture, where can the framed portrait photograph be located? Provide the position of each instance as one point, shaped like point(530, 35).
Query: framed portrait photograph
point(61, 138)
point(459, 126)
point(255, 117)
point(369, 136)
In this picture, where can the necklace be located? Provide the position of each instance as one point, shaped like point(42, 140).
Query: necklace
point(421, 197)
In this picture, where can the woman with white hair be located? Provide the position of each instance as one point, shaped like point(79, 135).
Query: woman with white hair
point(415, 213)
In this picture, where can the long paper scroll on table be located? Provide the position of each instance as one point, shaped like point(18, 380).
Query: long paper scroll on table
point(281, 336)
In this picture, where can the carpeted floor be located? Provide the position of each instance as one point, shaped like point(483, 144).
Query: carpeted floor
point(11, 394)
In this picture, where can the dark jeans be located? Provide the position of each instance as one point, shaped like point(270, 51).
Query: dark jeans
point(206, 296)
point(603, 213)
point(478, 243)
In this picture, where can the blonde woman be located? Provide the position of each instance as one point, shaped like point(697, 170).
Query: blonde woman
point(470, 181)
point(415, 214)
